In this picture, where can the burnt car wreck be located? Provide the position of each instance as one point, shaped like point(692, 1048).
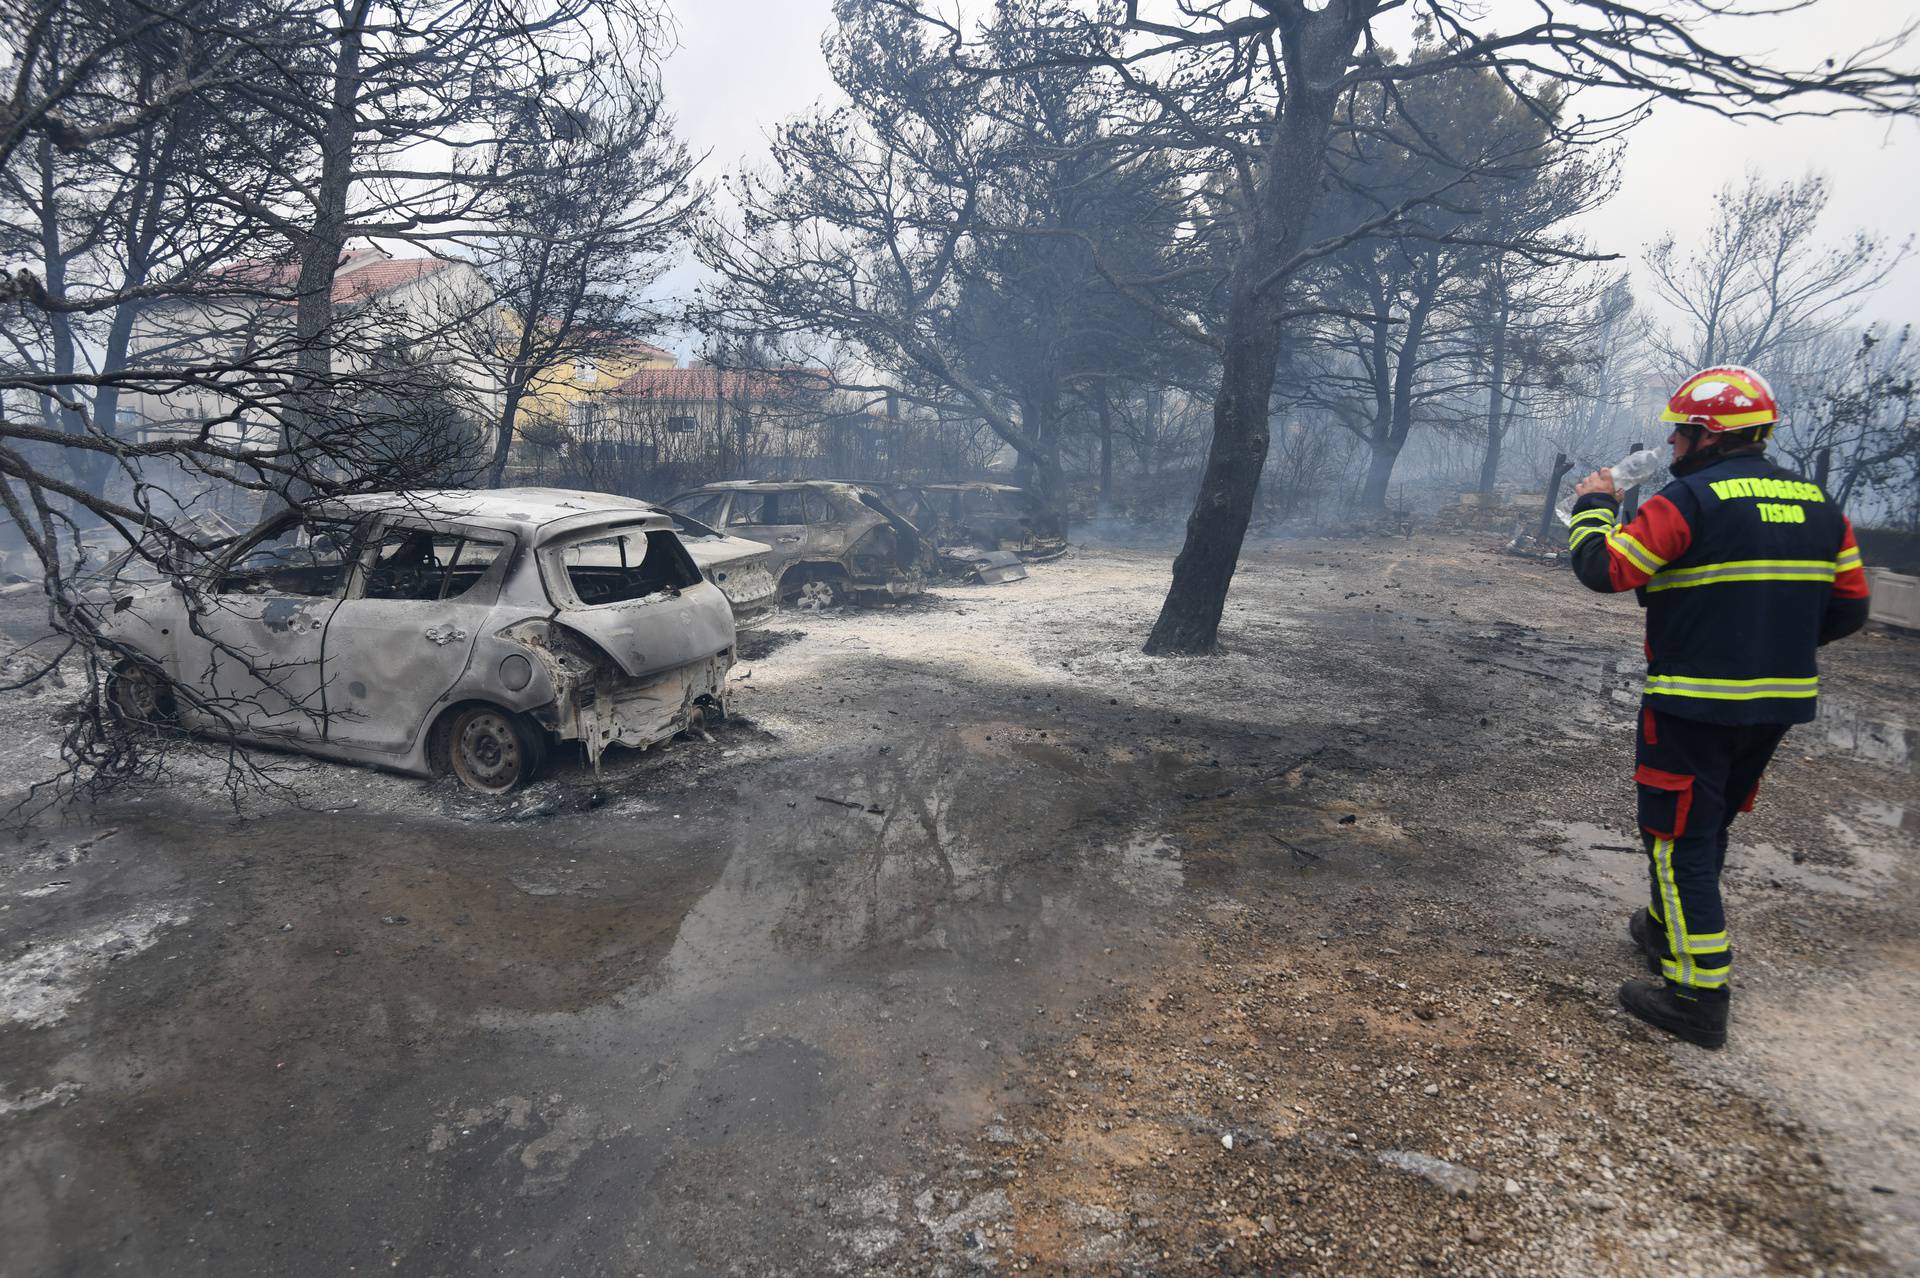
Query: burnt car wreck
point(984, 516)
point(830, 541)
point(738, 566)
point(432, 632)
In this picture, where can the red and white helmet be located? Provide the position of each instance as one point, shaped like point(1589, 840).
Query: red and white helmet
point(1725, 398)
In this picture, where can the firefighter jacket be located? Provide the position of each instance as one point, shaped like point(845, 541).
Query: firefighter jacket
point(1744, 570)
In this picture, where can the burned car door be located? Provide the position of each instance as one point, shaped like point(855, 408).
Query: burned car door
point(774, 518)
point(826, 528)
point(252, 641)
point(404, 634)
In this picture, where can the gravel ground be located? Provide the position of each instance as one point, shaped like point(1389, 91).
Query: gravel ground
point(982, 941)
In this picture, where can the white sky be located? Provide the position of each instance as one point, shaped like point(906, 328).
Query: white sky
point(745, 65)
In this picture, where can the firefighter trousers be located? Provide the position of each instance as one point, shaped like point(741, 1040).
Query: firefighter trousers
point(1694, 778)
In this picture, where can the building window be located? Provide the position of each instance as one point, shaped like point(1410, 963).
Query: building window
point(585, 372)
point(682, 425)
point(579, 414)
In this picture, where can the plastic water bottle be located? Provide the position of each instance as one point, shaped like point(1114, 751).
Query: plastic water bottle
point(1629, 472)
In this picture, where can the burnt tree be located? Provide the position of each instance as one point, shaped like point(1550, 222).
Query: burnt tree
point(1259, 87)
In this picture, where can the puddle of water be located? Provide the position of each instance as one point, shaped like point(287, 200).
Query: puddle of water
point(1590, 882)
point(1150, 865)
point(1865, 733)
point(1890, 816)
point(1764, 863)
point(1593, 866)
point(1603, 689)
point(39, 985)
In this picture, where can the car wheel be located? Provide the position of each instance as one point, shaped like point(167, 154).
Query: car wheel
point(817, 596)
point(140, 696)
point(493, 750)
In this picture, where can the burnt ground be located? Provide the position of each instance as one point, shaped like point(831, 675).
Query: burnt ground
point(980, 941)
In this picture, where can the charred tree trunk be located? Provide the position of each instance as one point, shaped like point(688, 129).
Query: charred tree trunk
point(1105, 408)
point(503, 439)
point(1189, 621)
point(1190, 618)
point(1496, 408)
point(1387, 443)
point(320, 251)
point(1039, 466)
point(147, 217)
point(1315, 48)
point(87, 466)
point(1373, 493)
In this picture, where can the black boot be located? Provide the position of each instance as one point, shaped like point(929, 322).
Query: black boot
point(1652, 940)
point(1699, 1022)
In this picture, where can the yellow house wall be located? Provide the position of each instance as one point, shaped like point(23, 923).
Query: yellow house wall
point(554, 389)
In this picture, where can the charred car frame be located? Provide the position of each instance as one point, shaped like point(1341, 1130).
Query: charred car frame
point(427, 632)
point(831, 541)
point(983, 516)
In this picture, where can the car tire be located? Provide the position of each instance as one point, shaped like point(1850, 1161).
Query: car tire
point(817, 594)
point(140, 696)
point(492, 751)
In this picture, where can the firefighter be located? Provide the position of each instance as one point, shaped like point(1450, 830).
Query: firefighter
point(1744, 569)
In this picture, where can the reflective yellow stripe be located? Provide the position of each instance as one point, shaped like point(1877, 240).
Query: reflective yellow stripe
point(1598, 515)
point(1809, 681)
point(1709, 978)
point(1635, 553)
point(1848, 559)
point(1744, 570)
point(1679, 968)
point(1581, 534)
point(1731, 689)
point(1682, 948)
point(1728, 421)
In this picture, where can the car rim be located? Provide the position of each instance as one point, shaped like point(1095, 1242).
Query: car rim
point(486, 752)
point(140, 695)
point(816, 595)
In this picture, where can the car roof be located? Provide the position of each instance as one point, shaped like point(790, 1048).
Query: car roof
point(527, 510)
point(774, 485)
point(971, 486)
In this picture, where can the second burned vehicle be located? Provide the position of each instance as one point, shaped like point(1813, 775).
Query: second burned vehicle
point(830, 541)
point(984, 517)
point(738, 566)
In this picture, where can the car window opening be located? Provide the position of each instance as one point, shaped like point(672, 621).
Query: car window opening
point(631, 564)
point(416, 564)
point(705, 509)
point(308, 559)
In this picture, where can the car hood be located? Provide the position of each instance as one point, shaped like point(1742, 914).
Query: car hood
point(709, 551)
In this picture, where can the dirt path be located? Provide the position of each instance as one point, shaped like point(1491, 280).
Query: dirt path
point(983, 941)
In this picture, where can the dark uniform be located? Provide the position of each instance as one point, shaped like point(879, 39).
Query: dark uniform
point(1744, 569)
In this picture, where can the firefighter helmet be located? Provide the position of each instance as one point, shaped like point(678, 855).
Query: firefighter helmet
point(1725, 398)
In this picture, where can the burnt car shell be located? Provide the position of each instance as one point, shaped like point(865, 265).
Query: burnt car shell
point(984, 516)
point(825, 534)
point(741, 569)
point(581, 612)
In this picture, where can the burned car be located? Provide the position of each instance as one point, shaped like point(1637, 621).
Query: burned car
point(427, 632)
point(738, 566)
point(831, 541)
point(983, 517)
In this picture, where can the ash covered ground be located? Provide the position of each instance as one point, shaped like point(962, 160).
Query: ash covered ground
point(980, 941)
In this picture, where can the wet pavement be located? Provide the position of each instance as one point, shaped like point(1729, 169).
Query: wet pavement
point(615, 1043)
point(799, 1001)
